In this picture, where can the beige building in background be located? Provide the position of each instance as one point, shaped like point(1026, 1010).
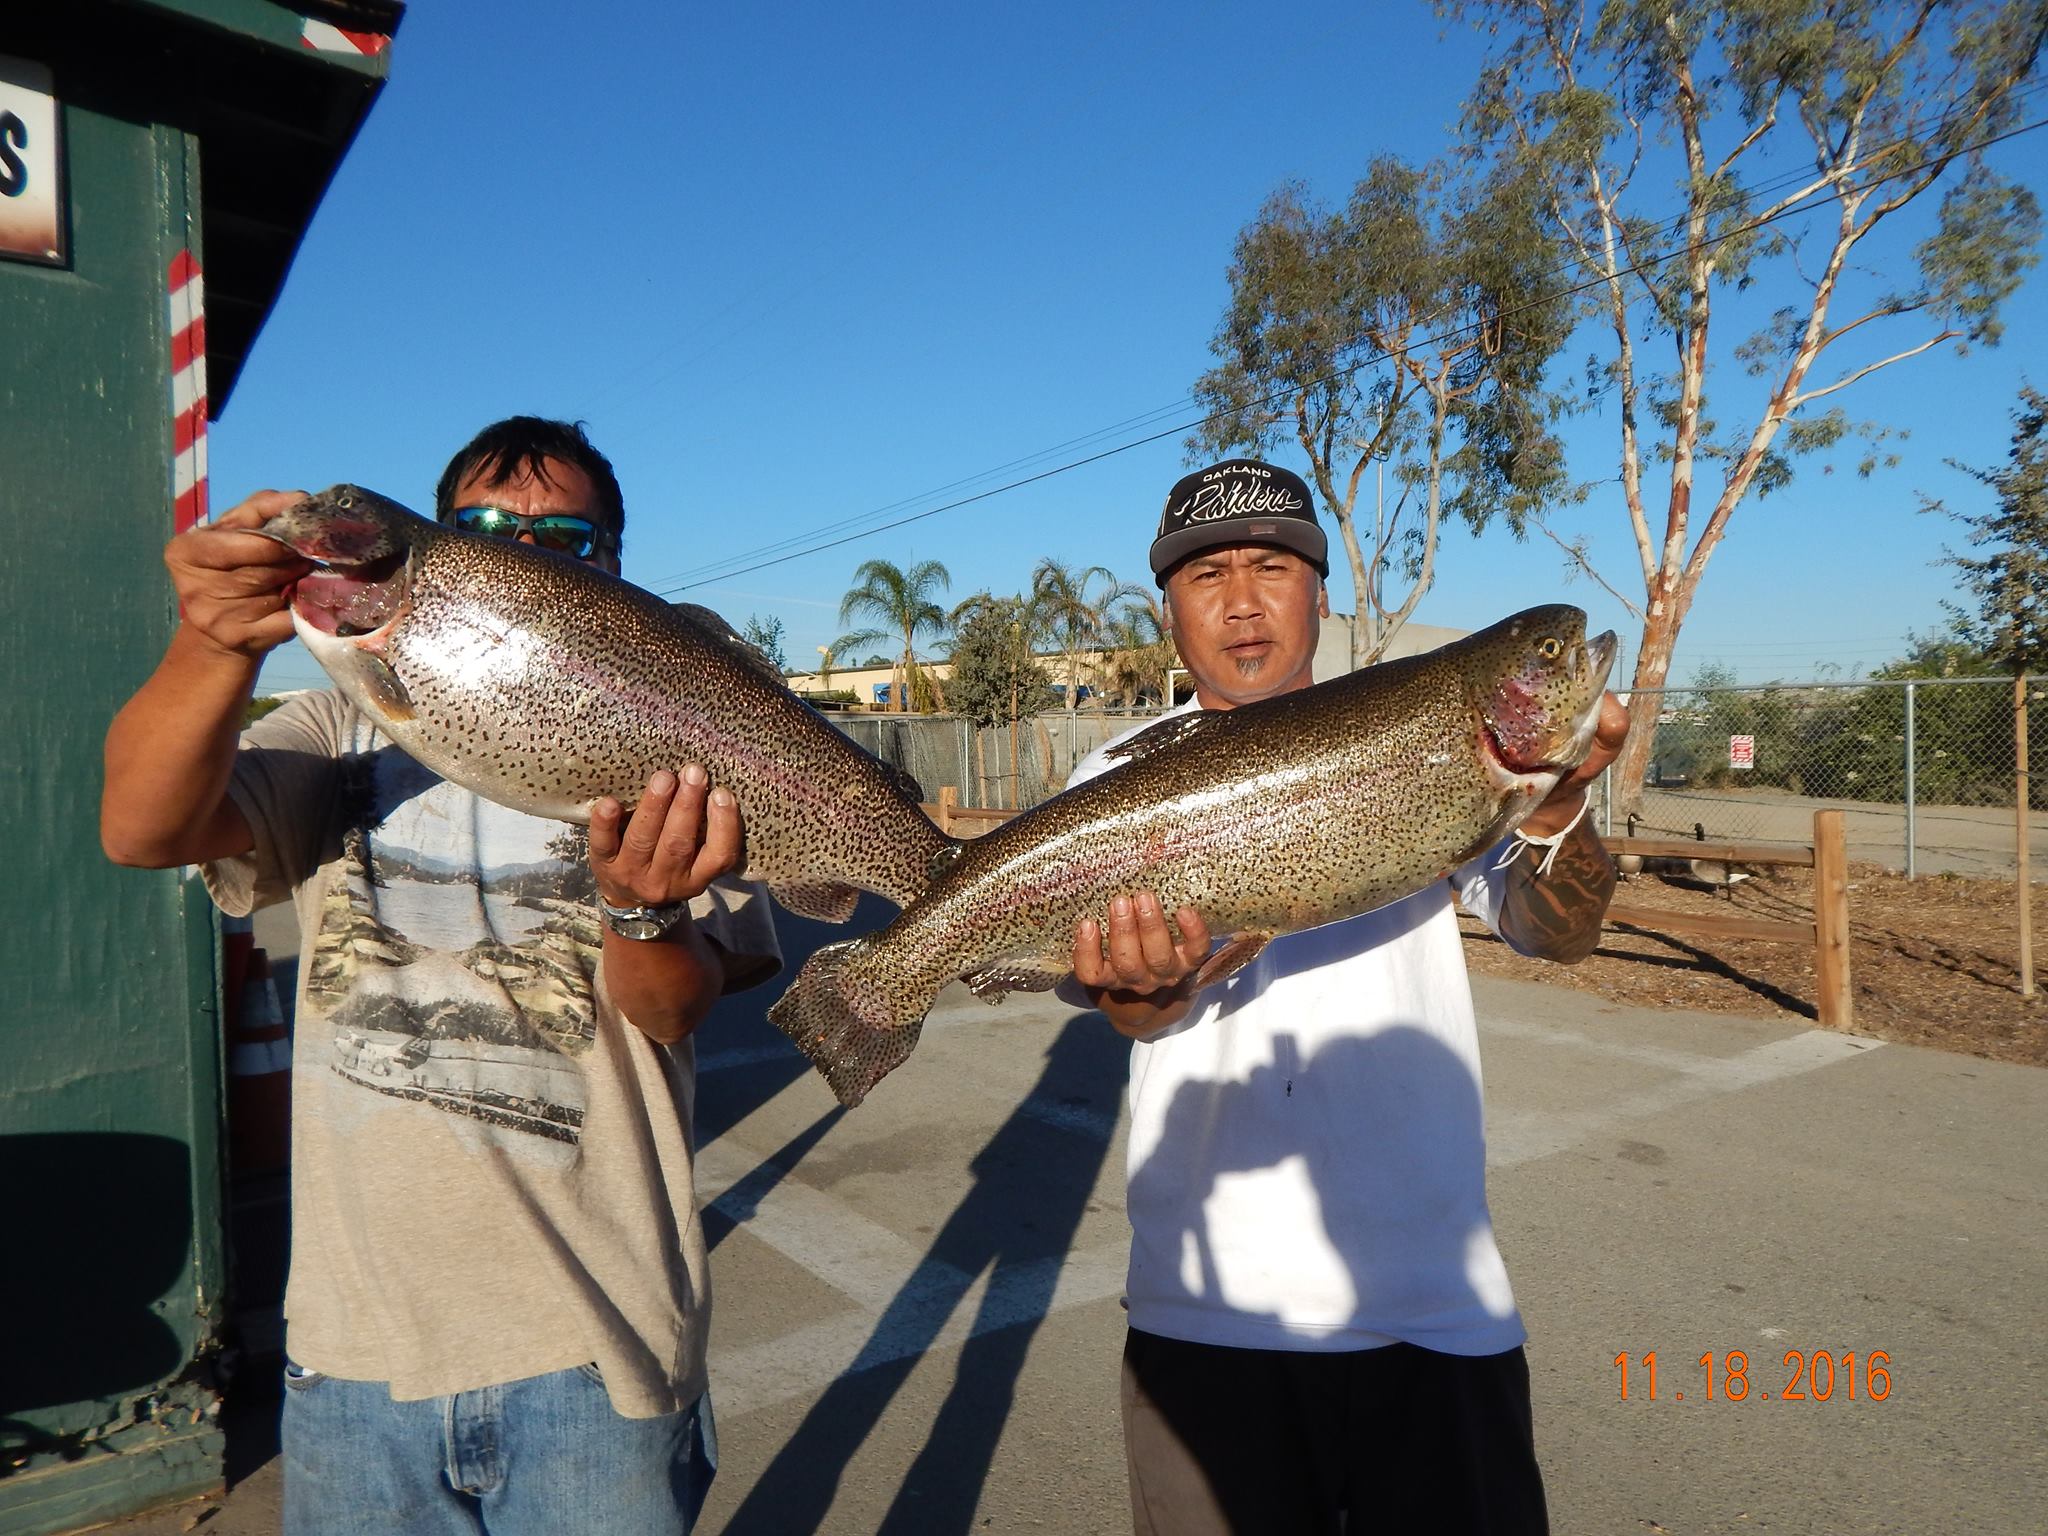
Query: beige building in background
point(1333, 659)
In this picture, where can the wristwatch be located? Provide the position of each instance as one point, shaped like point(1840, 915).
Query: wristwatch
point(642, 922)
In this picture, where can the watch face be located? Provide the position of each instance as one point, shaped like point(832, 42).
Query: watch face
point(642, 922)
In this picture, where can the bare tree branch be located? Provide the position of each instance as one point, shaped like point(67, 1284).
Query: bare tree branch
point(1867, 370)
point(1578, 558)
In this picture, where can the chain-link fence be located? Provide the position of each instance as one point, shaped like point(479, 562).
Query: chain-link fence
point(1926, 772)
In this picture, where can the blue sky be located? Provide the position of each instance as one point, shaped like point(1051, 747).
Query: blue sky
point(794, 265)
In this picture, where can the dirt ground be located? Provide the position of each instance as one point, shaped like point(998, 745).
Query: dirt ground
point(1933, 961)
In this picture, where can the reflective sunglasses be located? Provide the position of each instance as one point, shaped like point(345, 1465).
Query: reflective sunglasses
point(562, 532)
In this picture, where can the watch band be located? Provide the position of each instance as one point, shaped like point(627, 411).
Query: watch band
point(641, 922)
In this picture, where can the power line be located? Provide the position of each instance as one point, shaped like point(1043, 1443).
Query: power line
point(716, 570)
point(724, 570)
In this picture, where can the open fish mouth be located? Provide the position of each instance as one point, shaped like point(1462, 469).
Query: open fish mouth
point(353, 600)
point(1495, 748)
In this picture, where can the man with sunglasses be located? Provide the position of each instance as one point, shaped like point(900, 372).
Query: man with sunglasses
point(498, 1302)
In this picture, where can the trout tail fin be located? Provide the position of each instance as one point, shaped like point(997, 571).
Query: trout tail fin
point(853, 1032)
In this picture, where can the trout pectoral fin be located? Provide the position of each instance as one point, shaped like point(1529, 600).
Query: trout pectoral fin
point(382, 687)
point(992, 983)
point(825, 900)
point(1238, 951)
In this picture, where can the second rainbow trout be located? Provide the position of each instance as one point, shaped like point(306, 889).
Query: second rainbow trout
point(1282, 815)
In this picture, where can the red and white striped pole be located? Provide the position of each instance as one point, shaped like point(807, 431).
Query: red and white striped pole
point(324, 37)
point(188, 392)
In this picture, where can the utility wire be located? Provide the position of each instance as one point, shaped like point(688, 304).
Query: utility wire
point(715, 569)
point(719, 572)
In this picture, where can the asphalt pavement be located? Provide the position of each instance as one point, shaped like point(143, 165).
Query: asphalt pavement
point(917, 1317)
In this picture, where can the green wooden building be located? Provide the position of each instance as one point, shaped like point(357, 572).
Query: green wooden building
point(159, 163)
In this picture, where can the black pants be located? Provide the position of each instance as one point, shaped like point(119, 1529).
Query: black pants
point(1267, 1442)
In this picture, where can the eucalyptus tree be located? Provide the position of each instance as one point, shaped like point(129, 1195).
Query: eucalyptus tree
point(2008, 576)
point(1409, 330)
point(1071, 606)
point(1663, 132)
point(899, 602)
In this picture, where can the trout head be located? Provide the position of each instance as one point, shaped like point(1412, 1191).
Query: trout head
point(364, 551)
point(1535, 682)
point(361, 547)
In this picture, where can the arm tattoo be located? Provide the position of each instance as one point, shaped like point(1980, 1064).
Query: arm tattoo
point(1557, 916)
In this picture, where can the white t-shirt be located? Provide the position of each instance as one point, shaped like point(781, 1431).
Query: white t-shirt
point(1307, 1160)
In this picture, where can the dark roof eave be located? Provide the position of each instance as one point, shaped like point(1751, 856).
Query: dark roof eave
point(274, 118)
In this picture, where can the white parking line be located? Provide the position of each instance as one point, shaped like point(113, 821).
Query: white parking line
point(749, 1056)
point(862, 1260)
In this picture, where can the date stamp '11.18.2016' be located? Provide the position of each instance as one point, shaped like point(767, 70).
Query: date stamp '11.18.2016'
point(1821, 1376)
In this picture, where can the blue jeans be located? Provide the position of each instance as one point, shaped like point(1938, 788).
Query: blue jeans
point(547, 1456)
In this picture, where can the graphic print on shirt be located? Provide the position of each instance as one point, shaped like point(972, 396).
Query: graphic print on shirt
point(457, 952)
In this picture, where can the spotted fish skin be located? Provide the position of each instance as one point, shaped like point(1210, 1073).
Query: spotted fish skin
point(544, 684)
point(1278, 816)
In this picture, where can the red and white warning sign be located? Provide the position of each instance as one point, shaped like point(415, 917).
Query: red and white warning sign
point(1741, 751)
point(188, 392)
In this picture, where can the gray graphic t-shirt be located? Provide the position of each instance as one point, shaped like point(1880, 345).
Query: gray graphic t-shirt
point(491, 1168)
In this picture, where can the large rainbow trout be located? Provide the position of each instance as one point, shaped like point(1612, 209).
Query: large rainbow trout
point(1286, 814)
point(542, 683)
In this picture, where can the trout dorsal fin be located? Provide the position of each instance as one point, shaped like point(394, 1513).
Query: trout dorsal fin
point(722, 632)
point(1170, 732)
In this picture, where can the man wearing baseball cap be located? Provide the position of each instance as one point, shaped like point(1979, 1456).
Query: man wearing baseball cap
point(1322, 1335)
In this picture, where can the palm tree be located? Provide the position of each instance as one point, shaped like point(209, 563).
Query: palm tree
point(1140, 650)
point(1062, 608)
point(901, 603)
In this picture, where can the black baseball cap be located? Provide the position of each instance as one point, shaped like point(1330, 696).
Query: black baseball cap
point(1240, 501)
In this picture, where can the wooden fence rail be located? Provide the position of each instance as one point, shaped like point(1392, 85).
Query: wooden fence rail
point(1827, 856)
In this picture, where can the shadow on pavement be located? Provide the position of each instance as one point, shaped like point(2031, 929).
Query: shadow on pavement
point(1032, 1183)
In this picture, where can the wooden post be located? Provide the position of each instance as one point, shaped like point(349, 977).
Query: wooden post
point(1831, 920)
point(2019, 739)
point(949, 802)
point(1015, 799)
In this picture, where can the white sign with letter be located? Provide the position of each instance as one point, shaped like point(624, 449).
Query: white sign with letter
point(1741, 751)
point(31, 169)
